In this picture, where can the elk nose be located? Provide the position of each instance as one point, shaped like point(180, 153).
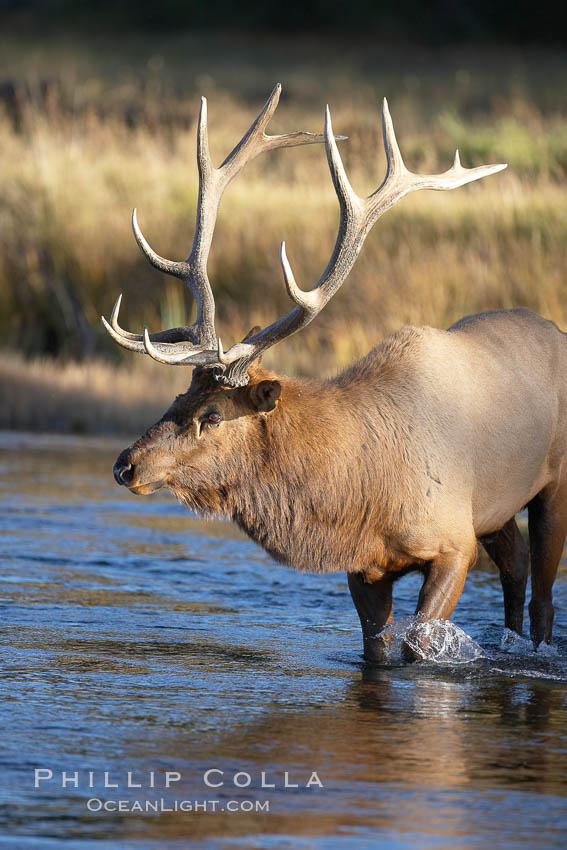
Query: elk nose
point(123, 469)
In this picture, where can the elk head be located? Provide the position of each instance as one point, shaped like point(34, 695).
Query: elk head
point(214, 433)
point(209, 439)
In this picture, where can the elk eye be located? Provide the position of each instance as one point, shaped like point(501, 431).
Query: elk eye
point(214, 417)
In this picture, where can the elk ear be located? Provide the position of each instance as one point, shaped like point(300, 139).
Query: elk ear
point(252, 332)
point(264, 395)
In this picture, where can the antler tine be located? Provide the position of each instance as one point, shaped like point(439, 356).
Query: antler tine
point(348, 199)
point(305, 300)
point(204, 163)
point(123, 338)
point(135, 342)
point(248, 146)
point(395, 162)
point(114, 320)
point(351, 210)
point(154, 351)
point(175, 355)
point(168, 266)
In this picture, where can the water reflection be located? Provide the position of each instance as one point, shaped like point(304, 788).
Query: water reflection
point(397, 755)
point(136, 638)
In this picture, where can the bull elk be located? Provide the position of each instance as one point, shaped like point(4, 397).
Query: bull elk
point(433, 441)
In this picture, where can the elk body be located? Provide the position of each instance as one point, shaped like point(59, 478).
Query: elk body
point(433, 441)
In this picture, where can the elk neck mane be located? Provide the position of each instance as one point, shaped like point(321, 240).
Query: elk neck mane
point(328, 448)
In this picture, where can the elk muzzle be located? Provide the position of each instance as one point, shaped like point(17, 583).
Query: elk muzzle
point(132, 470)
point(123, 468)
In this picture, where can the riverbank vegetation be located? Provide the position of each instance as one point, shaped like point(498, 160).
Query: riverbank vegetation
point(92, 129)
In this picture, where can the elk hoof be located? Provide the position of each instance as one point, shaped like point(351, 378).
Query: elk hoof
point(541, 621)
point(376, 650)
point(410, 653)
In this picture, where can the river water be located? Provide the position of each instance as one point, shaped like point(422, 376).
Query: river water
point(142, 647)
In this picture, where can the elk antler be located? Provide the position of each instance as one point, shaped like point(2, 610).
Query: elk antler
point(357, 216)
point(197, 343)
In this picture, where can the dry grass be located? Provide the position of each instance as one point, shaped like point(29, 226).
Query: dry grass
point(89, 398)
point(79, 156)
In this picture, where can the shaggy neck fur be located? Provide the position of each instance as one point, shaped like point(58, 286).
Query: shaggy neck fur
point(320, 494)
point(323, 481)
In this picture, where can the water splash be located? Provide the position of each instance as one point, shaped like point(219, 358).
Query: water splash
point(515, 644)
point(440, 641)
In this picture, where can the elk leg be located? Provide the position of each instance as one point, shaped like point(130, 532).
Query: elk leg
point(439, 594)
point(509, 551)
point(547, 515)
point(373, 602)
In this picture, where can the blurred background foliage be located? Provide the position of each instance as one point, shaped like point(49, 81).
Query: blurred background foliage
point(98, 109)
point(434, 22)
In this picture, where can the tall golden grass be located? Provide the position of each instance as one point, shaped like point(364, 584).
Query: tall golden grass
point(75, 160)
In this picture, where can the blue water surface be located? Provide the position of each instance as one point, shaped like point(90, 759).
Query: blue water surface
point(141, 646)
